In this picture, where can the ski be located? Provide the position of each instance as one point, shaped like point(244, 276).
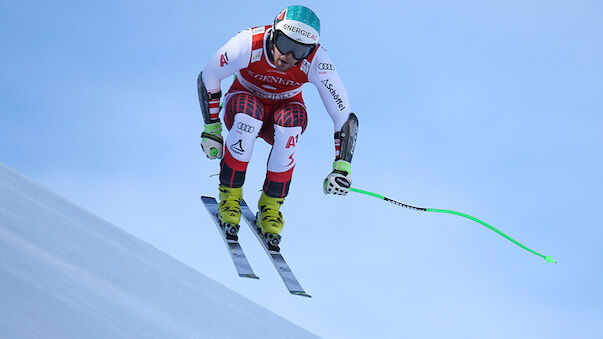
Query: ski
point(234, 248)
point(277, 258)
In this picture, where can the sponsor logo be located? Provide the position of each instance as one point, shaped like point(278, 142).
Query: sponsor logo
point(258, 30)
point(272, 79)
point(291, 142)
point(258, 91)
point(276, 71)
point(273, 96)
point(237, 147)
point(256, 55)
point(334, 94)
point(300, 31)
point(326, 67)
point(245, 128)
point(223, 59)
point(305, 66)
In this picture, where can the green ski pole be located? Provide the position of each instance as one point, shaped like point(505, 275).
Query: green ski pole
point(548, 258)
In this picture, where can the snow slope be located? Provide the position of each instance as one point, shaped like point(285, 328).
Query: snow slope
point(65, 273)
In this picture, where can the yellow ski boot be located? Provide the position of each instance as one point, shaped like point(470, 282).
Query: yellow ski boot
point(270, 220)
point(229, 210)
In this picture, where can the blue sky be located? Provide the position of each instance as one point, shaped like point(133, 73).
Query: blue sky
point(490, 108)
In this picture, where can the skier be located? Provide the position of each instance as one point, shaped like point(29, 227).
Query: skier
point(271, 64)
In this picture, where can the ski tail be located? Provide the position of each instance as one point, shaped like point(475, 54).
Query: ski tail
point(279, 262)
point(234, 248)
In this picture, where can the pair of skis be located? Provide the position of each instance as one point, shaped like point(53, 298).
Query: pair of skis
point(238, 256)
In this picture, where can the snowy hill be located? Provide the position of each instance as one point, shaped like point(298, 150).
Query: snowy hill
point(65, 273)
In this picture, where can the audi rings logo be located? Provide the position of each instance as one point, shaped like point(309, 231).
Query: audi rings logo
point(245, 128)
point(326, 67)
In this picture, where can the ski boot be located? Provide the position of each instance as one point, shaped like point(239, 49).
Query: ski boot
point(269, 220)
point(229, 210)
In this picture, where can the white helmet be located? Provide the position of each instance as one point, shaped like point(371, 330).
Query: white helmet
point(296, 30)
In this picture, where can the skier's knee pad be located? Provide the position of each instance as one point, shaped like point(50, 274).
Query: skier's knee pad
point(239, 147)
point(282, 156)
point(242, 135)
point(244, 103)
point(291, 114)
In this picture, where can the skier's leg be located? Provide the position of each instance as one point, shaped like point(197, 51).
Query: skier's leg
point(243, 117)
point(290, 121)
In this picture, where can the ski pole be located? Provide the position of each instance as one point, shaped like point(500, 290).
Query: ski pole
point(548, 258)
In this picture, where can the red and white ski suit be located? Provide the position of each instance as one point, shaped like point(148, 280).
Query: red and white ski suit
point(267, 103)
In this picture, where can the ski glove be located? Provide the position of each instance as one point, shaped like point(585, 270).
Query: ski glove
point(211, 140)
point(340, 180)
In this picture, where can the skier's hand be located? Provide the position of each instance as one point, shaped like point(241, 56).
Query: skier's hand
point(211, 140)
point(340, 180)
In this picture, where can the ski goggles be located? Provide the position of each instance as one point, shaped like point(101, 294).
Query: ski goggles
point(287, 45)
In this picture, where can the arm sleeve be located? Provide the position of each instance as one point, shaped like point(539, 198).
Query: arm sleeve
point(324, 76)
point(231, 57)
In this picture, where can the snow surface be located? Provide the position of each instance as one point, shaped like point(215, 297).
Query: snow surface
point(65, 273)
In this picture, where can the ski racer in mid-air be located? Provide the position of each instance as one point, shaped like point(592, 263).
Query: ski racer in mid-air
point(271, 64)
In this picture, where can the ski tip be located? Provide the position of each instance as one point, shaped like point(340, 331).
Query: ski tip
point(301, 294)
point(250, 276)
